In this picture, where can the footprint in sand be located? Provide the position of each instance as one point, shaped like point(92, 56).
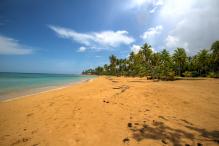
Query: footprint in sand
point(23, 140)
point(30, 114)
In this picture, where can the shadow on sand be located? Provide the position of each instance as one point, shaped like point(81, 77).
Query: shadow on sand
point(166, 134)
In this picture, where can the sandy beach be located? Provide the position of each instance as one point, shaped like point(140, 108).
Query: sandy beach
point(115, 111)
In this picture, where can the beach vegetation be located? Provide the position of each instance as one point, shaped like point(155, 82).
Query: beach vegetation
point(163, 65)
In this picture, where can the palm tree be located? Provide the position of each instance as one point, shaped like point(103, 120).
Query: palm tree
point(162, 65)
point(122, 67)
point(166, 64)
point(180, 59)
point(144, 59)
point(99, 70)
point(133, 64)
point(203, 61)
point(113, 62)
point(106, 69)
point(146, 53)
point(215, 55)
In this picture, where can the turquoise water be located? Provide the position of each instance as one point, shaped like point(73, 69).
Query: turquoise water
point(20, 84)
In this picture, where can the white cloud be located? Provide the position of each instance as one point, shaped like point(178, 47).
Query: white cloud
point(140, 3)
point(151, 32)
point(9, 46)
point(173, 42)
point(82, 49)
point(156, 5)
point(153, 10)
point(194, 23)
point(71, 34)
point(95, 40)
point(135, 48)
point(153, 50)
point(137, 3)
point(113, 39)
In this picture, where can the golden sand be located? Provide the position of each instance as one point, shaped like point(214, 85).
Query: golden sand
point(111, 111)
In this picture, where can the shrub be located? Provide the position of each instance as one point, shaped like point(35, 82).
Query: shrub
point(195, 74)
point(213, 75)
point(171, 75)
point(187, 74)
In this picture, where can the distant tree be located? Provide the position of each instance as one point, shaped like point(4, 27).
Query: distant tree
point(106, 69)
point(203, 62)
point(113, 63)
point(215, 55)
point(135, 64)
point(180, 60)
point(99, 70)
point(146, 54)
point(162, 65)
point(215, 48)
point(89, 72)
point(166, 65)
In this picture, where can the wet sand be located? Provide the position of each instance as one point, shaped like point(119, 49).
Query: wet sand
point(111, 111)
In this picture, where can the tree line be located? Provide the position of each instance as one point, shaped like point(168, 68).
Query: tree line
point(162, 65)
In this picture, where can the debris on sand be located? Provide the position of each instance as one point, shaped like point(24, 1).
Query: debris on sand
point(126, 140)
point(129, 124)
point(164, 141)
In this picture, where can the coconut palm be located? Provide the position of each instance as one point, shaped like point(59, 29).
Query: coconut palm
point(203, 59)
point(112, 66)
point(215, 55)
point(162, 65)
point(180, 59)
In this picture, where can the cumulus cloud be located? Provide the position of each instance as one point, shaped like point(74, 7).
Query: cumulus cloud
point(71, 34)
point(151, 32)
point(173, 42)
point(154, 50)
point(10, 46)
point(150, 5)
point(82, 49)
point(135, 48)
point(113, 39)
point(194, 23)
point(153, 10)
point(95, 40)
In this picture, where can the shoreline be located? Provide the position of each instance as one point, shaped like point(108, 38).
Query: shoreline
point(8, 99)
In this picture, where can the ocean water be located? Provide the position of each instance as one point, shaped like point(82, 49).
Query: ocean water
point(21, 84)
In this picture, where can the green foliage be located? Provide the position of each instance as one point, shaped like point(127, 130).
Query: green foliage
point(212, 75)
point(187, 74)
point(162, 65)
point(215, 55)
point(215, 48)
point(195, 74)
point(170, 76)
point(180, 60)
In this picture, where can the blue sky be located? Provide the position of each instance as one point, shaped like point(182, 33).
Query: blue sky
point(69, 36)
